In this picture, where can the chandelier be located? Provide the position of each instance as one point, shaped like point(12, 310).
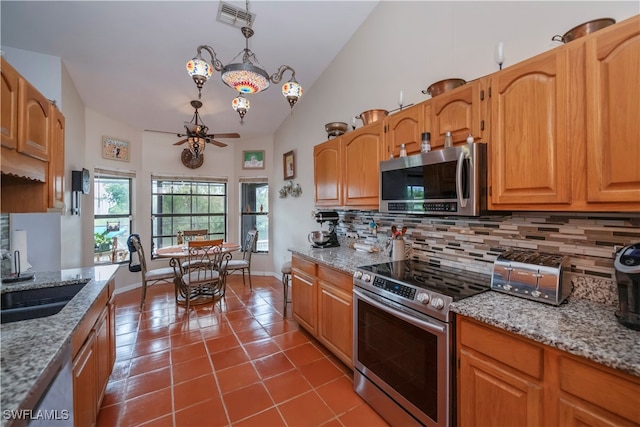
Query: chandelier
point(246, 77)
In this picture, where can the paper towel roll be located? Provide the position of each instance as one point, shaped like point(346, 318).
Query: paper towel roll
point(19, 243)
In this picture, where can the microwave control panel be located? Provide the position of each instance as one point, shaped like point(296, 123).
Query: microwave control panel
point(423, 207)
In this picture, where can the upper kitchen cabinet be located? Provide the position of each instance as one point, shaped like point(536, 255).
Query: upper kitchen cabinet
point(34, 132)
point(613, 112)
point(346, 169)
point(460, 111)
point(529, 161)
point(564, 127)
point(362, 153)
point(406, 127)
point(32, 159)
point(9, 108)
point(56, 163)
point(327, 173)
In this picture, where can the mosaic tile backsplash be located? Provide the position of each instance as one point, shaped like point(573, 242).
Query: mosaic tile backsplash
point(590, 240)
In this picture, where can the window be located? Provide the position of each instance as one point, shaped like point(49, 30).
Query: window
point(178, 204)
point(112, 216)
point(254, 212)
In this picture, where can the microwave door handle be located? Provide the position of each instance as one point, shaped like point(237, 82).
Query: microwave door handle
point(463, 202)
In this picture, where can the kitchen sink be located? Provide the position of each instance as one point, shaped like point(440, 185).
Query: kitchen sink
point(36, 303)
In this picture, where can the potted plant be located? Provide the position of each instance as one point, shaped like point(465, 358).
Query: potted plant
point(102, 243)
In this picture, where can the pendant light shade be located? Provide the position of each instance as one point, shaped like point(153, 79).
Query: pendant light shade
point(246, 77)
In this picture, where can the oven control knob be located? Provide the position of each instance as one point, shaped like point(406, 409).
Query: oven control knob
point(357, 274)
point(437, 303)
point(423, 297)
point(366, 277)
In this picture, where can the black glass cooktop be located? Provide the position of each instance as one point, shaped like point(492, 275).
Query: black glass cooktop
point(449, 281)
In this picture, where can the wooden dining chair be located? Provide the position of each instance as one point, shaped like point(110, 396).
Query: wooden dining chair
point(149, 277)
point(193, 263)
point(205, 277)
point(189, 235)
point(245, 263)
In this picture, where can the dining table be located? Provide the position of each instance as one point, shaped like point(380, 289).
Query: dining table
point(176, 254)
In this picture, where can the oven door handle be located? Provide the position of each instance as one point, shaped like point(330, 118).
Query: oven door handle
point(415, 319)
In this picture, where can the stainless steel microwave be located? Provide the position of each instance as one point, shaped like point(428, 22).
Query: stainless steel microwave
point(450, 181)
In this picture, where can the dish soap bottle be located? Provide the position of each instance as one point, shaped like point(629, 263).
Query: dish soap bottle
point(403, 151)
point(448, 140)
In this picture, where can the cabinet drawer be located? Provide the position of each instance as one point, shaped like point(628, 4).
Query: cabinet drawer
point(303, 265)
point(604, 389)
point(503, 347)
point(336, 278)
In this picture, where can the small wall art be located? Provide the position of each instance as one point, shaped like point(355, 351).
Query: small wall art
point(253, 159)
point(288, 161)
point(115, 149)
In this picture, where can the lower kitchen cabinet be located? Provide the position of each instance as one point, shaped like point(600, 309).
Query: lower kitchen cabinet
point(93, 346)
point(323, 305)
point(504, 379)
point(303, 293)
point(84, 383)
point(335, 312)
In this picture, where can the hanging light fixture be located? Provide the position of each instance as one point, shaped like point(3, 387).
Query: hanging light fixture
point(244, 77)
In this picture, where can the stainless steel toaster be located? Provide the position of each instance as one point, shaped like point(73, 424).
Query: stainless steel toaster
point(538, 276)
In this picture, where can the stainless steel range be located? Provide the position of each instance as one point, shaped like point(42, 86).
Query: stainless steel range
point(404, 338)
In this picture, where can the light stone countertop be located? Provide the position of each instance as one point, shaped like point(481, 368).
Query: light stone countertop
point(31, 350)
point(580, 327)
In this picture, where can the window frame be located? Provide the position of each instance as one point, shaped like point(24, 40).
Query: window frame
point(244, 213)
point(158, 182)
point(102, 175)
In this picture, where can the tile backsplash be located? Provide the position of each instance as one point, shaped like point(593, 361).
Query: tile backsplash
point(590, 240)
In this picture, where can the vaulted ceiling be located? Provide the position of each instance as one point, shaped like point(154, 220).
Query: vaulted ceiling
point(127, 58)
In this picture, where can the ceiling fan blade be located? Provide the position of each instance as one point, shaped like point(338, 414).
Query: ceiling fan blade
point(224, 135)
point(180, 142)
point(161, 131)
point(218, 143)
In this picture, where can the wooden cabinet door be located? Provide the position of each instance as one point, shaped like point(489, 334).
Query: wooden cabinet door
point(56, 162)
point(34, 133)
point(9, 107)
point(613, 112)
point(530, 154)
point(84, 384)
point(404, 127)
point(327, 173)
point(459, 112)
point(103, 355)
point(362, 152)
point(493, 395)
point(335, 313)
point(303, 300)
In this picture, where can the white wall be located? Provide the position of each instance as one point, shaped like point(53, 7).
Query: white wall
point(407, 46)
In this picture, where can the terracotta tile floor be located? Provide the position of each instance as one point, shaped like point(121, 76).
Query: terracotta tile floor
point(238, 362)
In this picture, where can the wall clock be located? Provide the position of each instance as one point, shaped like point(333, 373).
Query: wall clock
point(190, 161)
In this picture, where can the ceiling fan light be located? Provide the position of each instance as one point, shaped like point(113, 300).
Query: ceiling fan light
point(196, 146)
point(245, 77)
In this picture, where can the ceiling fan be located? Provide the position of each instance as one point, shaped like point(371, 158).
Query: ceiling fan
point(196, 129)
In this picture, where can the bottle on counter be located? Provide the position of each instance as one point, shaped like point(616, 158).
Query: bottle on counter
point(425, 147)
point(469, 138)
point(448, 140)
point(403, 151)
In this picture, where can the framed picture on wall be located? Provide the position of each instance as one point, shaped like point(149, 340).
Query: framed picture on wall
point(288, 162)
point(115, 149)
point(253, 159)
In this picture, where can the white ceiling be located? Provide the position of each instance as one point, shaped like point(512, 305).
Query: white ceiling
point(127, 59)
